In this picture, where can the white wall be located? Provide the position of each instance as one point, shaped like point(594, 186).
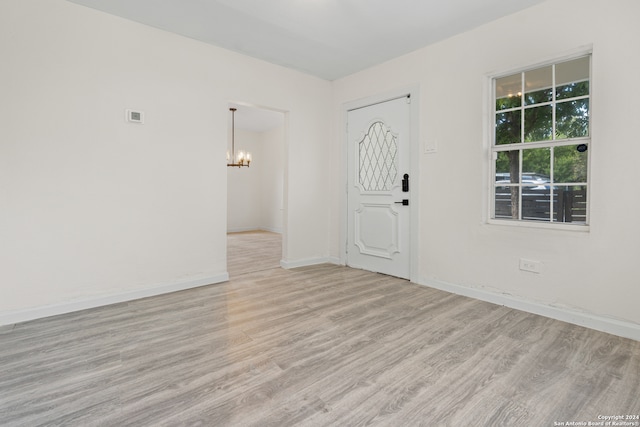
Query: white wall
point(244, 184)
point(591, 273)
point(272, 182)
point(255, 198)
point(95, 209)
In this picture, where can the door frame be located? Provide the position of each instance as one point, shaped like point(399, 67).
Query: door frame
point(414, 92)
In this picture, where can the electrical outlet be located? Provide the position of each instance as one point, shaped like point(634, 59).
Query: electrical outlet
point(529, 265)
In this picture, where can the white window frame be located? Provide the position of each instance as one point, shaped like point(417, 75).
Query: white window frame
point(494, 149)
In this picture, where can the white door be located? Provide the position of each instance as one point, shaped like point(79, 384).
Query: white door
point(378, 234)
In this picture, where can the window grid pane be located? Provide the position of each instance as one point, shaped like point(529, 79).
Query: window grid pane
point(538, 85)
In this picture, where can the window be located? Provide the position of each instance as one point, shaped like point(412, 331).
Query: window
point(540, 146)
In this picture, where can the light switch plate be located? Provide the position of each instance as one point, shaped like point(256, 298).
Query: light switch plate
point(431, 146)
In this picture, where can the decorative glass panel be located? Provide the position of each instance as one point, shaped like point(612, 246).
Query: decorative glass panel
point(377, 155)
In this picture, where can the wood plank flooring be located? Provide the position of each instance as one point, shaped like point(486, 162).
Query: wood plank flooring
point(251, 251)
point(316, 346)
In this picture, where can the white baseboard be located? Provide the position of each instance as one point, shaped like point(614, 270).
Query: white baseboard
point(600, 323)
point(277, 230)
point(241, 229)
point(245, 229)
point(335, 260)
point(17, 316)
point(304, 262)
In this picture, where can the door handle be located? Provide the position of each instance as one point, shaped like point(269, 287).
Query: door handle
point(404, 202)
point(405, 183)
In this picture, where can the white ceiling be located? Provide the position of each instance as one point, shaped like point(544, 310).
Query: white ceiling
point(326, 38)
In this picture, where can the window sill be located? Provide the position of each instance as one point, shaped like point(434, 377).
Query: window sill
point(540, 225)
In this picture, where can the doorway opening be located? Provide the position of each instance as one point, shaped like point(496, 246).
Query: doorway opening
point(255, 194)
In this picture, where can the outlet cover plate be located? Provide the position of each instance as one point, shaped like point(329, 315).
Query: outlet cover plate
point(530, 265)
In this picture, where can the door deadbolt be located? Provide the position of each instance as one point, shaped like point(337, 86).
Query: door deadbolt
point(405, 183)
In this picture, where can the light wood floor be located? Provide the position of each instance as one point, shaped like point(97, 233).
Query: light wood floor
point(316, 346)
point(253, 251)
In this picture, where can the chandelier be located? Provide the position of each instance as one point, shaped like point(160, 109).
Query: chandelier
point(242, 159)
